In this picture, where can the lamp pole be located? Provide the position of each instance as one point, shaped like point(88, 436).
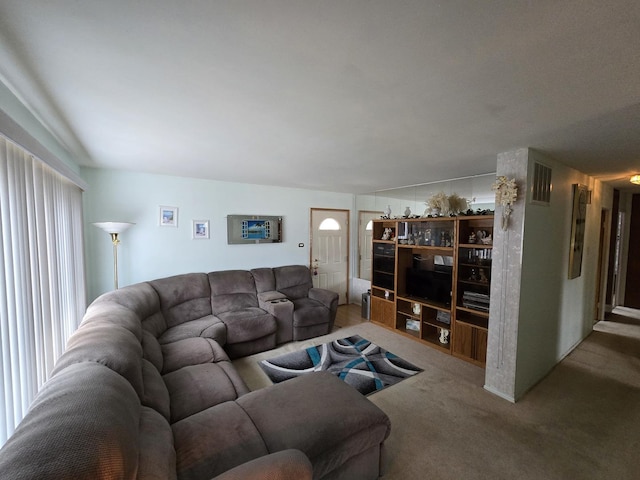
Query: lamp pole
point(114, 229)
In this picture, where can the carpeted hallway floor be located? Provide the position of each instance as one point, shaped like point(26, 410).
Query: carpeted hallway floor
point(581, 422)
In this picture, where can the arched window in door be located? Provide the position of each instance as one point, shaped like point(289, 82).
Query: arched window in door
point(329, 224)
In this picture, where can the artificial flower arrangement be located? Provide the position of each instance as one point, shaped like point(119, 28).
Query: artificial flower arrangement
point(506, 195)
point(443, 204)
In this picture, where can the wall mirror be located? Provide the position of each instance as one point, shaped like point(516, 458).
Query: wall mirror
point(476, 189)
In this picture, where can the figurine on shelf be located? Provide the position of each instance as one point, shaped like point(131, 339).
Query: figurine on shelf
point(473, 276)
point(472, 237)
point(444, 336)
point(487, 240)
point(387, 234)
point(483, 276)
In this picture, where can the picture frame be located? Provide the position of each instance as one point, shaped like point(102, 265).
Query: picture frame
point(578, 225)
point(168, 216)
point(200, 229)
point(253, 229)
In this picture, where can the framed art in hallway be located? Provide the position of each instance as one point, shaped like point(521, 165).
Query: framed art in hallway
point(168, 216)
point(200, 229)
point(578, 223)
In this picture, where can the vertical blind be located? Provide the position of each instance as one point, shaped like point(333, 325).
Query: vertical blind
point(42, 284)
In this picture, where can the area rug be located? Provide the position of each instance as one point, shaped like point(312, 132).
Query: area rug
point(360, 363)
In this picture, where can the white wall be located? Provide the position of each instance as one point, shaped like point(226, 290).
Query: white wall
point(556, 313)
point(149, 251)
point(547, 314)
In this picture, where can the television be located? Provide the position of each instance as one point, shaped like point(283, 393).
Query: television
point(433, 285)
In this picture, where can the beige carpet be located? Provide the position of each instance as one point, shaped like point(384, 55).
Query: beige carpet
point(581, 422)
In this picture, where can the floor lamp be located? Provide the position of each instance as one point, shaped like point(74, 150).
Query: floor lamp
point(114, 229)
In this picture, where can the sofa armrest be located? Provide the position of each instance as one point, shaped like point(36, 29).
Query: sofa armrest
point(265, 297)
point(284, 465)
point(324, 296)
point(281, 308)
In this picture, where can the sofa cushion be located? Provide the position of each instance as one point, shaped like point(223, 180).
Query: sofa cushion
point(83, 424)
point(308, 312)
point(248, 324)
point(208, 326)
point(307, 404)
point(244, 349)
point(151, 350)
point(110, 313)
point(214, 441)
point(293, 280)
point(232, 290)
point(157, 457)
point(264, 279)
point(284, 465)
point(183, 297)
point(191, 351)
point(155, 394)
point(140, 298)
point(110, 345)
point(198, 387)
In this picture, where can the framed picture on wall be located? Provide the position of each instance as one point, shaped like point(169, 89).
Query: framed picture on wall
point(200, 229)
point(578, 224)
point(168, 216)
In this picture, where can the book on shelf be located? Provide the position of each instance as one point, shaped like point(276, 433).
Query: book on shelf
point(475, 300)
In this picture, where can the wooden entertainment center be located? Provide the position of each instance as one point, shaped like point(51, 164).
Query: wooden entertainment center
point(432, 276)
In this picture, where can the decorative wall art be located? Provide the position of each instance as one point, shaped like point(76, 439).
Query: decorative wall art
point(200, 229)
point(578, 224)
point(247, 229)
point(168, 216)
point(506, 195)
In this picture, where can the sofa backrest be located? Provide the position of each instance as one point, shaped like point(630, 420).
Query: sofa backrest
point(265, 281)
point(232, 290)
point(293, 280)
point(83, 424)
point(183, 297)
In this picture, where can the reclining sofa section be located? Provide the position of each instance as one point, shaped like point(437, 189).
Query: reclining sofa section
point(146, 389)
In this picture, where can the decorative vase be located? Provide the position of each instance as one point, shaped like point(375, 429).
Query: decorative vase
point(387, 211)
point(407, 212)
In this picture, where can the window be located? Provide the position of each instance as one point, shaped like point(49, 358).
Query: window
point(329, 224)
point(42, 285)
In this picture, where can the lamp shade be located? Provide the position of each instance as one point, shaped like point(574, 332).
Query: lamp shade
point(113, 227)
point(635, 179)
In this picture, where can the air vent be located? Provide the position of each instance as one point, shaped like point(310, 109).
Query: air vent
point(541, 187)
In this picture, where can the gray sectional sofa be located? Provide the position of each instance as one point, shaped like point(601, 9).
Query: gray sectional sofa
point(146, 389)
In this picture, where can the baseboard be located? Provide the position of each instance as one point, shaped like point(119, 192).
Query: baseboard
point(500, 394)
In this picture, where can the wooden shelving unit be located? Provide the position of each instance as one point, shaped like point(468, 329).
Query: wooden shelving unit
point(437, 291)
point(471, 316)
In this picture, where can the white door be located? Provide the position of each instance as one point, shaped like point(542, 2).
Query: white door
point(365, 242)
point(330, 251)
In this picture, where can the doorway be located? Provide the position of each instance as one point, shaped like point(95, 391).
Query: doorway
point(365, 242)
point(330, 251)
point(632, 288)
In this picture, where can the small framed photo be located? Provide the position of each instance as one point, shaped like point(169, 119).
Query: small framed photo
point(200, 229)
point(168, 216)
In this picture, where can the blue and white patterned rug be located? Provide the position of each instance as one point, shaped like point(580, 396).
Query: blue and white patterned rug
point(360, 363)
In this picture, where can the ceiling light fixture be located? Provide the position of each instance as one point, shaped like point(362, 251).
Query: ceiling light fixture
point(635, 179)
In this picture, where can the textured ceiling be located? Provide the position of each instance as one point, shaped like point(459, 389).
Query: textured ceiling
point(348, 96)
